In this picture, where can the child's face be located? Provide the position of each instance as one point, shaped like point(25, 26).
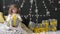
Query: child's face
point(15, 10)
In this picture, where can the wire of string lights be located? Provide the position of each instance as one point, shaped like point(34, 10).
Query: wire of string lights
point(31, 2)
point(22, 3)
point(47, 11)
point(36, 11)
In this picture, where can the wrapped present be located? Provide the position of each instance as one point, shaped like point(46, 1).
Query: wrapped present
point(1, 17)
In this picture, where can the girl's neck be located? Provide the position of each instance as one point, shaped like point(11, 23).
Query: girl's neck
point(14, 13)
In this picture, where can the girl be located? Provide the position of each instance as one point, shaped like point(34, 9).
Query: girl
point(14, 19)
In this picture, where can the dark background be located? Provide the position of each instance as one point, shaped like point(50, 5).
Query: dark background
point(54, 14)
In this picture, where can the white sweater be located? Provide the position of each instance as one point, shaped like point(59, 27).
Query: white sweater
point(19, 26)
point(10, 17)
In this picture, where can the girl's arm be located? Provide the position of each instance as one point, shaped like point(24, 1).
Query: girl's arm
point(7, 20)
point(19, 17)
point(20, 20)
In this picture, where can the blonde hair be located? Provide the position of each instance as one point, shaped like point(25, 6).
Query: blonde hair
point(12, 7)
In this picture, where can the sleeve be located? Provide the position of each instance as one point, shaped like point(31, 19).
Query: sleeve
point(8, 18)
point(19, 17)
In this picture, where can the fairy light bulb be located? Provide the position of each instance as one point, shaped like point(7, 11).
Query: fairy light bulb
point(59, 2)
point(47, 13)
point(31, 1)
point(25, 16)
point(22, 3)
point(4, 7)
point(55, 9)
point(36, 10)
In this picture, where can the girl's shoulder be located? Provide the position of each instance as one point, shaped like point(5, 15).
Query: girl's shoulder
point(9, 15)
point(18, 14)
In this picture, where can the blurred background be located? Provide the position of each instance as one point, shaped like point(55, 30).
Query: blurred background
point(34, 10)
